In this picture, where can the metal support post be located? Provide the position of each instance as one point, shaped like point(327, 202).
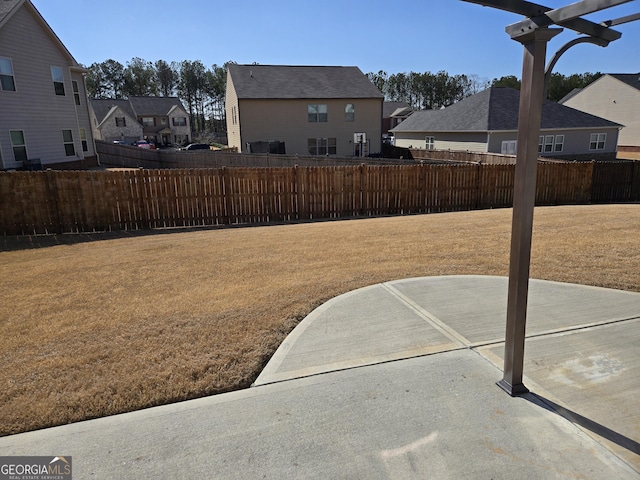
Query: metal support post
point(524, 196)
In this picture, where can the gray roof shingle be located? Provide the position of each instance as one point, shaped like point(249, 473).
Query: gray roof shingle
point(6, 6)
point(101, 107)
point(495, 109)
point(388, 108)
point(298, 82)
point(631, 79)
point(136, 106)
point(154, 106)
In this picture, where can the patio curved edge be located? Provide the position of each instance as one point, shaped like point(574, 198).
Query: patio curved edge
point(412, 317)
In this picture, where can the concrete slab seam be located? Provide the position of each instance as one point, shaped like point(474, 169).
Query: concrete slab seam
point(431, 319)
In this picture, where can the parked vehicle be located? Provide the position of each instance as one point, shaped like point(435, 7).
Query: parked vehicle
point(143, 144)
point(196, 146)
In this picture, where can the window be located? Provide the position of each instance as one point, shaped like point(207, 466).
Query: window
point(548, 143)
point(430, 143)
point(76, 92)
point(6, 75)
point(149, 121)
point(121, 122)
point(349, 112)
point(19, 145)
point(597, 141)
point(322, 146)
point(317, 113)
point(163, 121)
point(67, 139)
point(234, 115)
point(180, 121)
point(83, 139)
point(58, 80)
point(509, 147)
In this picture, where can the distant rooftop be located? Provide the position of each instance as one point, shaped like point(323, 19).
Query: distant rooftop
point(296, 82)
point(495, 109)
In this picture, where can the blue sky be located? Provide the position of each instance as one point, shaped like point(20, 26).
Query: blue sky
point(400, 36)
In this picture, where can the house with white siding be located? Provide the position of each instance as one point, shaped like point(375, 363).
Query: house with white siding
point(615, 97)
point(487, 122)
point(44, 117)
point(304, 110)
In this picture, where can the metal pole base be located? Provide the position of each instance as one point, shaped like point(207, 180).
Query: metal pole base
point(513, 390)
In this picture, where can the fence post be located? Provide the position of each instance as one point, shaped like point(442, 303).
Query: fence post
point(362, 185)
point(226, 188)
point(52, 188)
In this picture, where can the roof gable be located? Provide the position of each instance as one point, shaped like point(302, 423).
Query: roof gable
point(300, 82)
point(137, 106)
point(103, 107)
point(496, 109)
point(388, 108)
point(631, 79)
point(154, 106)
point(9, 7)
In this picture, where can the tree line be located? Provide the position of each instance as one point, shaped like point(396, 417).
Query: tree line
point(427, 91)
point(202, 89)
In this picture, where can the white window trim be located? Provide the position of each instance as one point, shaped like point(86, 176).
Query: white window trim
point(76, 91)
point(65, 143)
point(350, 113)
point(324, 143)
point(430, 142)
point(320, 115)
point(13, 146)
point(549, 143)
point(83, 139)
point(597, 141)
point(53, 78)
point(12, 75)
point(509, 147)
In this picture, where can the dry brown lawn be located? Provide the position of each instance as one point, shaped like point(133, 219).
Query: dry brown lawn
point(98, 328)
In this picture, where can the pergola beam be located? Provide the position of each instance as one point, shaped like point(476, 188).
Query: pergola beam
point(566, 16)
point(621, 20)
point(569, 17)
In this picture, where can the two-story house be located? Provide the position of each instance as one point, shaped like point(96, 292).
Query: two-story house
point(161, 120)
point(44, 117)
point(311, 110)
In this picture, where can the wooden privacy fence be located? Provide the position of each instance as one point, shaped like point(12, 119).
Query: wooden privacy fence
point(88, 201)
point(115, 155)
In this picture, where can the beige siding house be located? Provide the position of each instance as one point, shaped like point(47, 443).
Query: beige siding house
point(44, 116)
point(309, 110)
point(615, 97)
point(161, 120)
point(487, 122)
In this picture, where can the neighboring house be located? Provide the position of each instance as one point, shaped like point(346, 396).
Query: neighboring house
point(615, 97)
point(393, 113)
point(311, 110)
point(487, 122)
point(161, 120)
point(44, 118)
